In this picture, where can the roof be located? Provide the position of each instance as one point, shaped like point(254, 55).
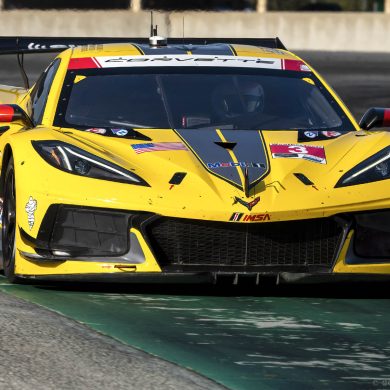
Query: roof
point(217, 49)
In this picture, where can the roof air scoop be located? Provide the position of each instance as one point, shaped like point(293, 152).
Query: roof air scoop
point(155, 40)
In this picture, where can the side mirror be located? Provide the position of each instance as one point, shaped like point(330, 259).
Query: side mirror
point(14, 113)
point(375, 117)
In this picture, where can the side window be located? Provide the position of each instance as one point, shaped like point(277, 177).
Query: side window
point(41, 91)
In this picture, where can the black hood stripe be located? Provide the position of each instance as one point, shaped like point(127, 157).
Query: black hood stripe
point(229, 165)
point(232, 158)
point(250, 147)
point(202, 145)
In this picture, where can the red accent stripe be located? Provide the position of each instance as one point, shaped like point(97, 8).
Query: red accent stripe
point(293, 65)
point(6, 113)
point(386, 117)
point(82, 63)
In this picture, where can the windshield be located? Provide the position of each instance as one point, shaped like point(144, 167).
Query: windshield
point(225, 98)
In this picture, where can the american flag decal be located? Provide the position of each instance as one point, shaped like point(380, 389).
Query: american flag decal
point(158, 147)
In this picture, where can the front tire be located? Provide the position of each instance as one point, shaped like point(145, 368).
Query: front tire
point(8, 220)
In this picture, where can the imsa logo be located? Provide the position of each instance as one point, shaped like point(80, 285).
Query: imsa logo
point(241, 217)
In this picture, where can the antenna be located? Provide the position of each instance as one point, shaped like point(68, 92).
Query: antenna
point(22, 71)
point(154, 39)
point(153, 29)
point(183, 28)
point(151, 24)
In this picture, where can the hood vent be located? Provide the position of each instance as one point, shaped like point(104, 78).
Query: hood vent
point(226, 145)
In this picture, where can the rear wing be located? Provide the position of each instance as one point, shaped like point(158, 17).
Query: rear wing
point(26, 45)
point(30, 45)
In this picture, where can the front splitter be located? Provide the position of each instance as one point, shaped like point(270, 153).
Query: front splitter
point(209, 278)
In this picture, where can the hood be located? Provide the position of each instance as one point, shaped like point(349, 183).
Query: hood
point(225, 166)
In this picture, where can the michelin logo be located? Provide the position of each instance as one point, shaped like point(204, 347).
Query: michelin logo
point(30, 208)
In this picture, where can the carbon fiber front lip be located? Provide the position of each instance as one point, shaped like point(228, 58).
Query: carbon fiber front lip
point(236, 278)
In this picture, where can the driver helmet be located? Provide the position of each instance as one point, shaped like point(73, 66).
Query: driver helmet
point(230, 102)
point(253, 95)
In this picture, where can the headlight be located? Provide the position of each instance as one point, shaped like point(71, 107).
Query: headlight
point(74, 160)
point(375, 168)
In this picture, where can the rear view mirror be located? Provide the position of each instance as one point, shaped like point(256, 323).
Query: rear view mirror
point(12, 113)
point(375, 117)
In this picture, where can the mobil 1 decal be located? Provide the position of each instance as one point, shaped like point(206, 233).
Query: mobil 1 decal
point(303, 152)
point(229, 154)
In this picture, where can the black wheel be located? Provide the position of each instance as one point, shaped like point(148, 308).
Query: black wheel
point(8, 221)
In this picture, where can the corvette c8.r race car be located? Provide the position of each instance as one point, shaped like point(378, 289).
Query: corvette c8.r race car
point(187, 161)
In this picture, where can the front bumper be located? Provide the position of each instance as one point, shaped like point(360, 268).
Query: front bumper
point(180, 245)
point(100, 243)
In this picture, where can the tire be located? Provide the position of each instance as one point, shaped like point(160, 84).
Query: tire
point(8, 220)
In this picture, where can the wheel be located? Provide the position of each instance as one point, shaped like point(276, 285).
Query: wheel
point(8, 221)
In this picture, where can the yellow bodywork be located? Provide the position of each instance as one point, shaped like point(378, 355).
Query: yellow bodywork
point(201, 196)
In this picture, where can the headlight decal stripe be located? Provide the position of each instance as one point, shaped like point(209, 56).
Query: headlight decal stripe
point(72, 159)
point(365, 169)
point(372, 169)
point(101, 164)
point(65, 158)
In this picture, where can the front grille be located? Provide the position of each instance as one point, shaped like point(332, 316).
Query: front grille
point(293, 243)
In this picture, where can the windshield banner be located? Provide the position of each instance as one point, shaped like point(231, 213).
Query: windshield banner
point(187, 60)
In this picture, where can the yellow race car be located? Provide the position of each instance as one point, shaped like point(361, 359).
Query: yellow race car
point(188, 161)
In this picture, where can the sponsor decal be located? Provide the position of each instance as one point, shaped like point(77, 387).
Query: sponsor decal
point(187, 60)
point(241, 217)
point(38, 46)
point(303, 152)
point(230, 164)
point(311, 134)
point(173, 60)
point(158, 147)
point(272, 51)
point(30, 208)
point(96, 130)
point(248, 205)
point(331, 134)
point(236, 217)
point(317, 135)
point(120, 132)
point(107, 266)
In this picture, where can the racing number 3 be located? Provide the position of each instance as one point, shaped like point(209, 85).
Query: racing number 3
point(297, 149)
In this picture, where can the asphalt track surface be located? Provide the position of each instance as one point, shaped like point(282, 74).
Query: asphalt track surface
point(296, 338)
point(43, 350)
